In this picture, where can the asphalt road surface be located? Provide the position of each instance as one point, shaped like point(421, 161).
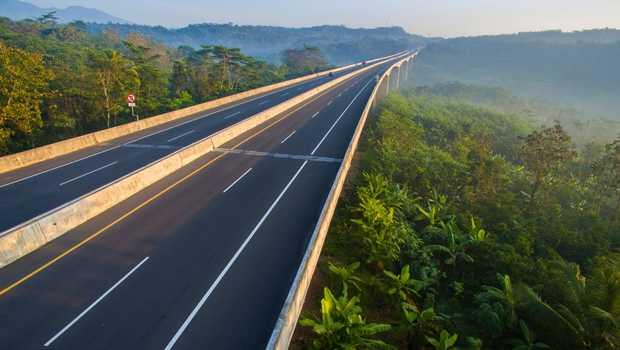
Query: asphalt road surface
point(34, 190)
point(203, 259)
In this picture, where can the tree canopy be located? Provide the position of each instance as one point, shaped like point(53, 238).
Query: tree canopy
point(59, 81)
point(468, 228)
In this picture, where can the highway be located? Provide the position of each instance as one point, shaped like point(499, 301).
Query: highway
point(31, 191)
point(203, 259)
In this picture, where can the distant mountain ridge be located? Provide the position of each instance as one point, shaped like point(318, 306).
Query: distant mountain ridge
point(341, 44)
point(558, 37)
point(577, 69)
point(19, 10)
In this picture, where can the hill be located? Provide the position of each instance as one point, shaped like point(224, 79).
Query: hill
point(582, 127)
point(19, 10)
point(339, 43)
point(600, 36)
point(578, 69)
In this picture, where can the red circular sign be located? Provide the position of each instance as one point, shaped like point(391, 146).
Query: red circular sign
point(131, 98)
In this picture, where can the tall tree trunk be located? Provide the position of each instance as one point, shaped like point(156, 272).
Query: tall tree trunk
point(104, 85)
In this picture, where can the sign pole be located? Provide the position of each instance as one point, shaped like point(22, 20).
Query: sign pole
point(131, 102)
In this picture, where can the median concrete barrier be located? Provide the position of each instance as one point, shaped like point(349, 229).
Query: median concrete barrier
point(287, 321)
point(39, 154)
point(23, 239)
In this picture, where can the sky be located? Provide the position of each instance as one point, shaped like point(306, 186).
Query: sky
point(446, 18)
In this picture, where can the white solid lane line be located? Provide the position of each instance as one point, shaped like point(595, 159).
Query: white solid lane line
point(217, 281)
point(288, 137)
point(88, 173)
point(315, 114)
point(337, 120)
point(58, 167)
point(182, 135)
point(232, 115)
point(49, 342)
point(239, 179)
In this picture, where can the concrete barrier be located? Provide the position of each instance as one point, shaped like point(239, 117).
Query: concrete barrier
point(23, 239)
point(287, 321)
point(39, 154)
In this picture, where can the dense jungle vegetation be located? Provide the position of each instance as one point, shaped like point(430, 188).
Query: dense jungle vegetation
point(60, 81)
point(463, 227)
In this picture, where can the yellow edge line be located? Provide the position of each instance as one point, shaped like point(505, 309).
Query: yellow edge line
point(145, 203)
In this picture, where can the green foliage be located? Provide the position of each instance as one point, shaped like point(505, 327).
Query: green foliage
point(544, 153)
point(342, 326)
point(583, 127)
point(473, 221)
point(403, 286)
point(60, 81)
point(378, 221)
point(527, 342)
point(446, 341)
point(116, 77)
point(497, 311)
point(23, 86)
point(347, 276)
point(303, 61)
point(419, 324)
point(476, 233)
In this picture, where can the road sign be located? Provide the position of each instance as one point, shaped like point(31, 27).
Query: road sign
point(131, 102)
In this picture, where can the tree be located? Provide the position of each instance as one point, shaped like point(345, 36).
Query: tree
point(306, 60)
point(23, 85)
point(607, 173)
point(180, 80)
point(152, 87)
point(228, 62)
point(544, 153)
point(591, 317)
point(49, 18)
point(116, 77)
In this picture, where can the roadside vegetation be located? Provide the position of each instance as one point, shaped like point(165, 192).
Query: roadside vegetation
point(60, 81)
point(466, 228)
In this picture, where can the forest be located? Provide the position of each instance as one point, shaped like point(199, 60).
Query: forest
point(341, 45)
point(585, 129)
point(463, 227)
point(60, 81)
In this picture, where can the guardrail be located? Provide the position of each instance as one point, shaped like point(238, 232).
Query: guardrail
point(23, 239)
point(287, 321)
point(39, 154)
